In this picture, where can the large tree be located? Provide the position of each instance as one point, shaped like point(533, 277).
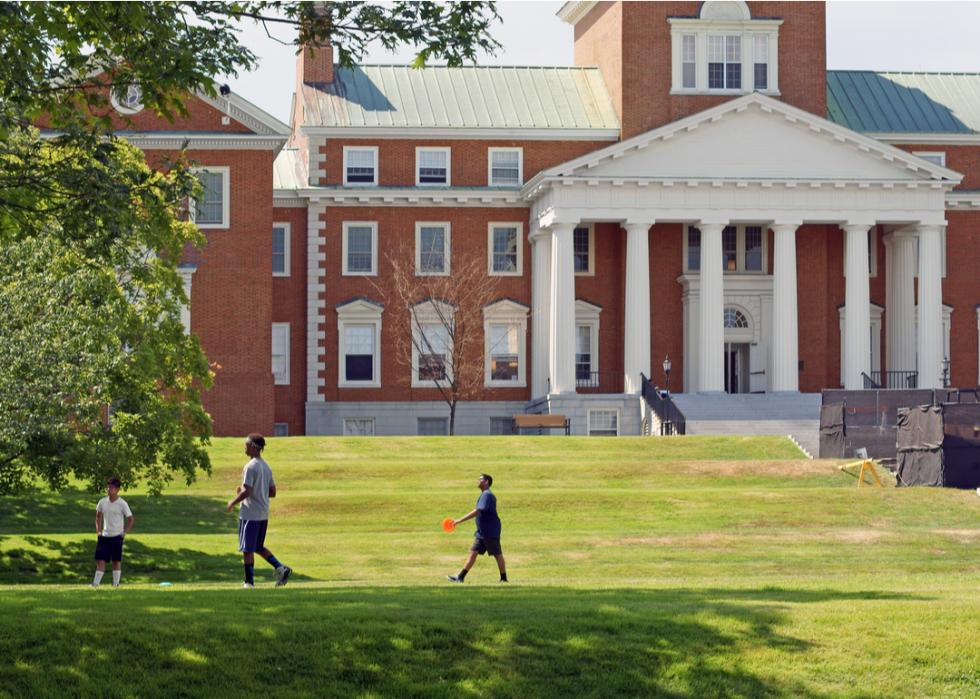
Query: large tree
point(98, 375)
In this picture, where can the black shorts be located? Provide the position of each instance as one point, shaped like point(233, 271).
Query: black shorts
point(109, 548)
point(251, 535)
point(482, 546)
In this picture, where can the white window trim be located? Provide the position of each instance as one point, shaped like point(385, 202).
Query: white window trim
point(505, 312)
point(287, 249)
point(348, 149)
point(374, 248)
point(283, 381)
point(748, 29)
point(428, 314)
point(520, 166)
point(591, 271)
point(588, 419)
point(374, 425)
point(739, 250)
point(873, 247)
point(875, 330)
point(947, 322)
point(449, 160)
point(588, 314)
point(225, 198)
point(419, 225)
point(520, 249)
point(359, 312)
point(924, 153)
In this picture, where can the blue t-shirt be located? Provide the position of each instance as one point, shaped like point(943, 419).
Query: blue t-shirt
point(487, 522)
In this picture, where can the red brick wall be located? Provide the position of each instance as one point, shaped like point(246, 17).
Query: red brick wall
point(961, 291)
point(468, 235)
point(666, 307)
point(468, 159)
point(964, 159)
point(231, 295)
point(289, 306)
point(630, 42)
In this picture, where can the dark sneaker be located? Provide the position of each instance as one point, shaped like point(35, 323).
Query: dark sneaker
point(455, 578)
point(503, 580)
point(282, 575)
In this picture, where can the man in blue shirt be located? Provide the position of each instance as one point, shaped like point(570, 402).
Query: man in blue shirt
point(487, 531)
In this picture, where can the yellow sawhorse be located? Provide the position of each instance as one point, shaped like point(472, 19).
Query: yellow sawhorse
point(866, 465)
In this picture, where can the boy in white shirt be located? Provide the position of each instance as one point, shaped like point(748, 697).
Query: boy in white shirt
point(113, 520)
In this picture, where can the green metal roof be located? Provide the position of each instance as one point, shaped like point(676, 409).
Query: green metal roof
point(482, 97)
point(909, 103)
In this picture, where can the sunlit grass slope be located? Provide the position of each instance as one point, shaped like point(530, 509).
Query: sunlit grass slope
point(680, 567)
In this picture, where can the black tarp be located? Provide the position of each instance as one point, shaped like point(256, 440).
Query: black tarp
point(920, 446)
point(961, 446)
point(832, 431)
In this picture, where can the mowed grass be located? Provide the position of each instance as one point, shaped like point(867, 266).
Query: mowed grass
point(680, 567)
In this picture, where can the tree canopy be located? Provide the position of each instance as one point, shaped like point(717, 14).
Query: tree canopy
point(99, 376)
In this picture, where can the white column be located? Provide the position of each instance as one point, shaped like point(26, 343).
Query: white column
point(930, 307)
point(563, 308)
point(785, 319)
point(900, 301)
point(541, 311)
point(857, 300)
point(712, 356)
point(636, 359)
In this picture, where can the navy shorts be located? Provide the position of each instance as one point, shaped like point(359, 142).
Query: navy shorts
point(482, 546)
point(109, 548)
point(251, 535)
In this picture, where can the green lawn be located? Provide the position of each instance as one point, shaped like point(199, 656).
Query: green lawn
point(679, 567)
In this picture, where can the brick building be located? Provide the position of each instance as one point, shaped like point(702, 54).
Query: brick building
point(699, 186)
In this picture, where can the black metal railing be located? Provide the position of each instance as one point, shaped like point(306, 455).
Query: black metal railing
point(895, 379)
point(869, 383)
point(672, 420)
point(600, 382)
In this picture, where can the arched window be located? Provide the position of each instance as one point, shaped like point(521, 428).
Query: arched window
point(735, 319)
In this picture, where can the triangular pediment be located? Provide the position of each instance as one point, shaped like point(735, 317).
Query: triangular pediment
point(753, 138)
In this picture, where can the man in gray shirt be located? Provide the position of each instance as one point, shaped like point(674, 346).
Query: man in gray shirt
point(253, 512)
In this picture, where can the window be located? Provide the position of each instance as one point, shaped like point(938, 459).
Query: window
point(505, 337)
point(761, 62)
point(586, 343)
point(433, 426)
point(359, 427)
point(433, 353)
point(432, 342)
point(280, 353)
point(360, 165)
point(128, 102)
point(359, 344)
point(724, 48)
point(211, 210)
point(432, 248)
point(875, 312)
point(583, 354)
point(743, 249)
point(689, 61)
point(604, 422)
point(360, 253)
point(506, 249)
point(280, 249)
point(937, 157)
point(947, 320)
point(735, 319)
point(506, 167)
point(724, 62)
point(500, 426)
point(280, 429)
point(583, 247)
point(432, 166)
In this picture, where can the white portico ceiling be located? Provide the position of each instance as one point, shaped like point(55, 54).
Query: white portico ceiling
point(751, 138)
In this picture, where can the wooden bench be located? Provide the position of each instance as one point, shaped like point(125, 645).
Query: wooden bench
point(540, 422)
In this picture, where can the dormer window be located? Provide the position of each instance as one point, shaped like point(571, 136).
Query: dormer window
point(724, 50)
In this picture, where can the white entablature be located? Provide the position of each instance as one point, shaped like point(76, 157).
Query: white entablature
point(751, 159)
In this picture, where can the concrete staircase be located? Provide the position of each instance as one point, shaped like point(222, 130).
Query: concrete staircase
point(796, 415)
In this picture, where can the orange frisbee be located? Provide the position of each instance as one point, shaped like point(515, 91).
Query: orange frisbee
point(448, 525)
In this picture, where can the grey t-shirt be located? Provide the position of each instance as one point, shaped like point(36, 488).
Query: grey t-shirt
point(258, 475)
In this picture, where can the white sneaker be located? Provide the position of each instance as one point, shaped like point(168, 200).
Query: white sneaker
point(93, 584)
point(282, 575)
point(247, 585)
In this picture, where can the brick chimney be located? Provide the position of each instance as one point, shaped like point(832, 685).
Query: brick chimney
point(318, 69)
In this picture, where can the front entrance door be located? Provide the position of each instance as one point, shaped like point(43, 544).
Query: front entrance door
point(735, 364)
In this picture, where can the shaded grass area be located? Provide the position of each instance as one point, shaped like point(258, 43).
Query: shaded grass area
point(517, 642)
